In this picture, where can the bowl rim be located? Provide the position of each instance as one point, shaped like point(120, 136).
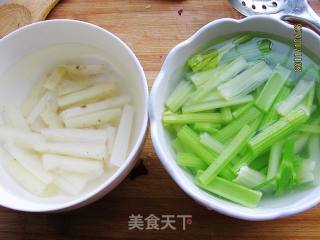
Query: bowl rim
point(212, 204)
point(118, 176)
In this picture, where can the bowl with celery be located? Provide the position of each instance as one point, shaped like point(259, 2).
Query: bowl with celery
point(236, 120)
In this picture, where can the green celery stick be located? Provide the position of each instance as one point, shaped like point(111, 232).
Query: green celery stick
point(301, 141)
point(244, 160)
point(265, 46)
point(207, 127)
point(211, 105)
point(305, 171)
point(190, 160)
point(180, 95)
point(178, 145)
point(310, 129)
point(231, 150)
point(272, 116)
point(249, 177)
point(259, 163)
point(233, 127)
point(226, 114)
point(314, 153)
point(230, 70)
point(307, 102)
point(246, 82)
point(211, 143)
point(278, 130)
point(318, 92)
point(274, 160)
point(266, 183)
point(231, 191)
point(187, 118)
point(272, 88)
point(238, 112)
point(242, 39)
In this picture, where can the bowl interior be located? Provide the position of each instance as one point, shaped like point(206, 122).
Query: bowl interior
point(166, 81)
point(29, 53)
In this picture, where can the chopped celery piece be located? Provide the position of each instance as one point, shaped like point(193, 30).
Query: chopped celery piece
point(206, 127)
point(300, 143)
point(318, 92)
point(179, 96)
point(190, 160)
point(192, 141)
point(211, 105)
point(307, 102)
point(228, 71)
point(244, 160)
point(259, 163)
point(226, 114)
point(187, 118)
point(311, 129)
point(286, 178)
point(243, 39)
point(214, 96)
point(250, 52)
point(233, 127)
point(211, 143)
point(200, 78)
point(231, 191)
point(272, 89)
point(272, 115)
point(296, 96)
point(305, 171)
point(231, 150)
point(178, 145)
point(249, 177)
point(265, 46)
point(274, 160)
point(242, 109)
point(246, 81)
point(314, 153)
point(264, 185)
point(276, 131)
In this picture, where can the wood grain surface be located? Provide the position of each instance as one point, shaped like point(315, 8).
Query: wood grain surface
point(151, 28)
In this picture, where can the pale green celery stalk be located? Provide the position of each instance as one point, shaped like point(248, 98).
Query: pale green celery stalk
point(305, 171)
point(272, 88)
point(200, 78)
point(318, 92)
point(230, 70)
point(274, 160)
point(211, 105)
point(250, 52)
point(238, 112)
point(314, 155)
point(296, 96)
point(180, 95)
point(231, 191)
point(211, 143)
point(244, 160)
point(272, 116)
point(310, 129)
point(266, 186)
point(213, 96)
point(226, 114)
point(234, 127)
point(187, 118)
point(230, 151)
point(249, 177)
point(178, 145)
point(301, 142)
point(191, 140)
point(277, 131)
point(246, 82)
point(206, 127)
point(190, 160)
point(307, 102)
point(244, 38)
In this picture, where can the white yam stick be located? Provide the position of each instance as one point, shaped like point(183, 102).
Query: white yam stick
point(13, 117)
point(82, 150)
point(36, 93)
point(112, 135)
point(122, 140)
point(86, 95)
point(76, 135)
point(71, 183)
point(114, 102)
point(93, 119)
point(39, 107)
point(85, 70)
point(51, 118)
point(22, 176)
point(55, 78)
point(53, 104)
point(76, 165)
point(21, 137)
point(29, 161)
point(37, 125)
point(68, 86)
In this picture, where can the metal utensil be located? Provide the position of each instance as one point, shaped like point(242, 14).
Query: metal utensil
point(287, 10)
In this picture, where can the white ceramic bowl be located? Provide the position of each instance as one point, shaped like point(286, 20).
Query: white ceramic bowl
point(165, 82)
point(37, 39)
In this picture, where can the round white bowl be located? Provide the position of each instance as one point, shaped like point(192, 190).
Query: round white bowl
point(48, 34)
point(270, 208)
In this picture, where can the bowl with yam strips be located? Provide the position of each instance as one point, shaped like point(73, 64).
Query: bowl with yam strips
point(73, 115)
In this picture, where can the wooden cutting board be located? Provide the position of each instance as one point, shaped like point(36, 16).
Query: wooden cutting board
point(151, 28)
point(18, 13)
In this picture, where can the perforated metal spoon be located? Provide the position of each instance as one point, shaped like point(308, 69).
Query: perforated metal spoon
point(287, 10)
